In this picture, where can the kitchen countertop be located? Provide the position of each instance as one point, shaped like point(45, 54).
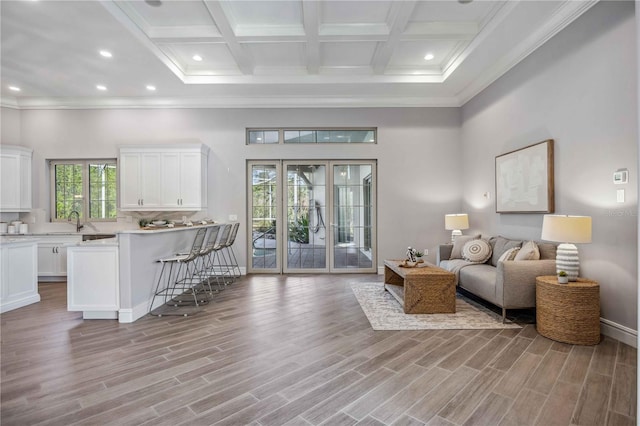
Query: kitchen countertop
point(158, 229)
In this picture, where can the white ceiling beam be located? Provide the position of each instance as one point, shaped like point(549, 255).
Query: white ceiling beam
point(179, 33)
point(354, 30)
point(224, 26)
point(399, 16)
point(310, 17)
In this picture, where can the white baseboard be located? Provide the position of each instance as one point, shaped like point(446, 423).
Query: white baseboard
point(138, 311)
point(380, 270)
point(15, 304)
point(619, 332)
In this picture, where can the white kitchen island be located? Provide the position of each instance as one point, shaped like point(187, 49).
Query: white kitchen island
point(139, 269)
point(18, 273)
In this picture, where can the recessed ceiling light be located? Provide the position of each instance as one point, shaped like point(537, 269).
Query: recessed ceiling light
point(151, 87)
point(14, 88)
point(105, 53)
point(101, 87)
point(197, 58)
point(429, 56)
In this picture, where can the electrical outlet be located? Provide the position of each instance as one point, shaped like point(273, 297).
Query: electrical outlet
point(426, 252)
point(233, 217)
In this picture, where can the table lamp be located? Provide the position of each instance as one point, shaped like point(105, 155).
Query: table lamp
point(454, 223)
point(567, 230)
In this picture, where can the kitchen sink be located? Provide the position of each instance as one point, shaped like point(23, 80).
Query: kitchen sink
point(91, 237)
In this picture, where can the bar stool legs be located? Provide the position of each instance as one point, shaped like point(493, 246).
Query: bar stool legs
point(186, 280)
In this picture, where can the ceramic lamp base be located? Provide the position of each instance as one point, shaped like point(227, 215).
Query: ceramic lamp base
point(455, 233)
point(567, 260)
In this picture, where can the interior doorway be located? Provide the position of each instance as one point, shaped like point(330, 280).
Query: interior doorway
point(312, 216)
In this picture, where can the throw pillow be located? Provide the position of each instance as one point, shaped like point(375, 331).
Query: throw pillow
point(501, 245)
point(461, 240)
point(477, 251)
point(529, 251)
point(509, 254)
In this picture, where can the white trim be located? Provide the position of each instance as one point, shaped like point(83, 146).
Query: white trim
point(619, 332)
point(15, 304)
point(568, 12)
point(71, 103)
point(131, 315)
point(380, 270)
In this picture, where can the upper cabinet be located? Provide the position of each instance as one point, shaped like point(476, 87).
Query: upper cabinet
point(163, 178)
point(15, 178)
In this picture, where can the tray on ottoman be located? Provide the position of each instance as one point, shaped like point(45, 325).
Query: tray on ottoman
point(421, 290)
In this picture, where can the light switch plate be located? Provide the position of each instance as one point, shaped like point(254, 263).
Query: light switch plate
point(233, 217)
point(620, 195)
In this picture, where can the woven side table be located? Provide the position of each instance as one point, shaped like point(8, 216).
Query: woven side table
point(568, 313)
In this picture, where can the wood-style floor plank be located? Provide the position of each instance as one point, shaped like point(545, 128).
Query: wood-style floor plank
point(297, 350)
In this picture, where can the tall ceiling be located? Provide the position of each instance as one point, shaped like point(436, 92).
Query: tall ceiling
point(264, 53)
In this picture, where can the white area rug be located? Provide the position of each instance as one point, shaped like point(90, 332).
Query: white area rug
point(385, 313)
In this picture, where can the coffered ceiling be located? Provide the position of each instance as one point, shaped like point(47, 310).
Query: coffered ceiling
point(263, 53)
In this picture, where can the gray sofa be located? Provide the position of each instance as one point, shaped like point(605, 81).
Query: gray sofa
point(507, 284)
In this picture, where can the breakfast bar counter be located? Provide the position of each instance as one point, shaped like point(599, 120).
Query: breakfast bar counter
point(139, 270)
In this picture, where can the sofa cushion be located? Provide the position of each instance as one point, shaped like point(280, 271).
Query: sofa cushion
point(502, 244)
point(479, 279)
point(547, 250)
point(461, 240)
point(509, 254)
point(477, 251)
point(529, 251)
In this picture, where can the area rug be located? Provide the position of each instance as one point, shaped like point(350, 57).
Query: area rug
point(385, 313)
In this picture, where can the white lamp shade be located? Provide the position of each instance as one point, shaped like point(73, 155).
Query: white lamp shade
point(566, 229)
point(456, 221)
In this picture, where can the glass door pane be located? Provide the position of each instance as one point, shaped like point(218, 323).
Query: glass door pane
point(353, 221)
point(264, 238)
point(305, 207)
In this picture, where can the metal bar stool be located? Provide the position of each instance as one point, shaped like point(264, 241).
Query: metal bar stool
point(228, 248)
point(186, 279)
point(218, 266)
point(206, 260)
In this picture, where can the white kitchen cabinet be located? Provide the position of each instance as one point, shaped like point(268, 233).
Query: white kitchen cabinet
point(18, 274)
point(52, 255)
point(163, 178)
point(182, 186)
point(140, 185)
point(15, 178)
point(93, 281)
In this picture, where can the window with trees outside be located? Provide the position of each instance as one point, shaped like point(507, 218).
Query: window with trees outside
point(85, 186)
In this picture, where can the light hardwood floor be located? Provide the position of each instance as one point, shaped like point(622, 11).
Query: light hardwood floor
point(297, 350)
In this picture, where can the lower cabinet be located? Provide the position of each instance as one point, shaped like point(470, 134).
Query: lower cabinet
point(93, 281)
point(18, 281)
point(52, 256)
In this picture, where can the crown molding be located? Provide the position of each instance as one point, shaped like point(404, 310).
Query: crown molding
point(568, 12)
point(234, 102)
point(9, 102)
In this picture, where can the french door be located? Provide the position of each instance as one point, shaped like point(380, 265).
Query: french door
point(312, 216)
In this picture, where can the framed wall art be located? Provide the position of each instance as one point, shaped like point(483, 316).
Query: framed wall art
point(524, 180)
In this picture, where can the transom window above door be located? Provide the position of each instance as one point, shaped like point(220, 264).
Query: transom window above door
point(366, 135)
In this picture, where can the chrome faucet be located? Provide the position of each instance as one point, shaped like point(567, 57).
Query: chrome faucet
point(78, 226)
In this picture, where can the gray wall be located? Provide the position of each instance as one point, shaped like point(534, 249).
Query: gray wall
point(579, 89)
point(416, 148)
point(10, 127)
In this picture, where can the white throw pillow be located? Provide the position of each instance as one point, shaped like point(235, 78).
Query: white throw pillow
point(456, 251)
point(529, 251)
point(477, 251)
point(510, 254)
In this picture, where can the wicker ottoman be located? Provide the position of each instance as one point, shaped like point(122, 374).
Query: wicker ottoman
point(568, 313)
point(423, 290)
